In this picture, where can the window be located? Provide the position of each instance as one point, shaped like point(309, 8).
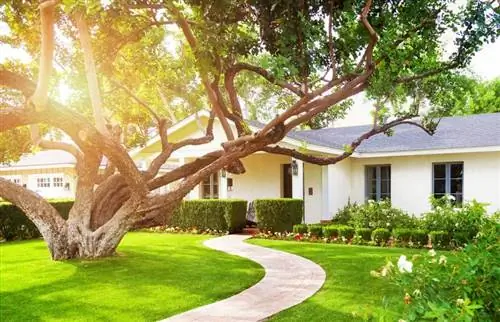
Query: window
point(378, 182)
point(43, 182)
point(58, 182)
point(448, 179)
point(13, 179)
point(210, 187)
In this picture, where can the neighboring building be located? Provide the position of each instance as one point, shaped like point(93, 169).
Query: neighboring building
point(461, 159)
point(51, 174)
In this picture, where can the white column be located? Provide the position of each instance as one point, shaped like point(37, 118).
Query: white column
point(298, 180)
point(326, 193)
point(195, 192)
point(222, 185)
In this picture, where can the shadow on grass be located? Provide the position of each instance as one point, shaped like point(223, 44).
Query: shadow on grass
point(152, 277)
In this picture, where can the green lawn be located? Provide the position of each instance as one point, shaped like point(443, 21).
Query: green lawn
point(349, 293)
point(153, 277)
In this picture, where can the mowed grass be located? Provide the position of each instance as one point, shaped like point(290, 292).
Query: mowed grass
point(152, 277)
point(349, 293)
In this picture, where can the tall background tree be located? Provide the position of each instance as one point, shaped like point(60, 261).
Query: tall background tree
point(133, 65)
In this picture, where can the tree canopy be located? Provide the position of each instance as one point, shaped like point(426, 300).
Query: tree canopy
point(134, 65)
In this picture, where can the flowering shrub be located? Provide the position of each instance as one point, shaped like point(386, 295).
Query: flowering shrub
point(462, 288)
point(375, 214)
point(462, 223)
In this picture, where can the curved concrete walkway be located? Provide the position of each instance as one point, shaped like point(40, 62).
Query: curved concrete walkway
point(289, 280)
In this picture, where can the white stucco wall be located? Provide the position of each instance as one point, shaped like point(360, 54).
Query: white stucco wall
point(313, 204)
point(339, 182)
point(411, 178)
point(262, 178)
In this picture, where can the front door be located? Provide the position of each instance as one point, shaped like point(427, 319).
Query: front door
point(286, 174)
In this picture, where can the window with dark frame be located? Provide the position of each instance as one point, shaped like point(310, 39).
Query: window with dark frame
point(210, 187)
point(448, 179)
point(378, 182)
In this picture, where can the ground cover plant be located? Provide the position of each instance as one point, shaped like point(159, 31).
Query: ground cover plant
point(153, 276)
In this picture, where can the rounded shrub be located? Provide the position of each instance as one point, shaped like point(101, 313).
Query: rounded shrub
point(381, 235)
point(402, 235)
point(346, 232)
point(364, 233)
point(420, 237)
point(300, 229)
point(331, 231)
point(315, 230)
point(440, 239)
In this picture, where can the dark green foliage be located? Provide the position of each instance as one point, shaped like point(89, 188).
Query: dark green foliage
point(14, 225)
point(381, 235)
point(278, 214)
point(217, 214)
point(346, 232)
point(331, 231)
point(315, 230)
point(405, 236)
point(402, 234)
point(300, 229)
point(419, 237)
point(462, 223)
point(364, 233)
point(440, 239)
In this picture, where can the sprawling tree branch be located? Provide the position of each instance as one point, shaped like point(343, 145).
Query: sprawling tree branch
point(93, 83)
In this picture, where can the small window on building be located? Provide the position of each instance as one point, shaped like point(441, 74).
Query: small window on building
point(43, 182)
point(58, 182)
point(210, 187)
point(378, 182)
point(448, 179)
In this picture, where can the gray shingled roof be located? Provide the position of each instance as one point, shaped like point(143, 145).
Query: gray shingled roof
point(481, 130)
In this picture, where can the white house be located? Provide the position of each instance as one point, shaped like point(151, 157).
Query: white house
point(462, 159)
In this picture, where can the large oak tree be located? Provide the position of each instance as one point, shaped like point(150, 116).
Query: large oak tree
point(303, 58)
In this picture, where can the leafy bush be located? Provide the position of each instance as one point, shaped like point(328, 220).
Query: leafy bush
point(344, 216)
point(381, 235)
point(215, 214)
point(346, 232)
point(278, 214)
point(375, 214)
point(462, 223)
point(315, 230)
point(402, 235)
point(364, 233)
point(419, 237)
point(462, 288)
point(14, 225)
point(440, 239)
point(300, 229)
point(331, 231)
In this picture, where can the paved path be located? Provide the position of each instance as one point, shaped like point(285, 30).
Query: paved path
point(289, 280)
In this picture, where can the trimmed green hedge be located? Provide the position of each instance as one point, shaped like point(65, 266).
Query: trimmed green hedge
point(14, 225)
point(218, 214)
point(278, 215)
point(315, 230)
point(381, 235)
point(440, 239)
point(364, 233)
point(300, 229)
